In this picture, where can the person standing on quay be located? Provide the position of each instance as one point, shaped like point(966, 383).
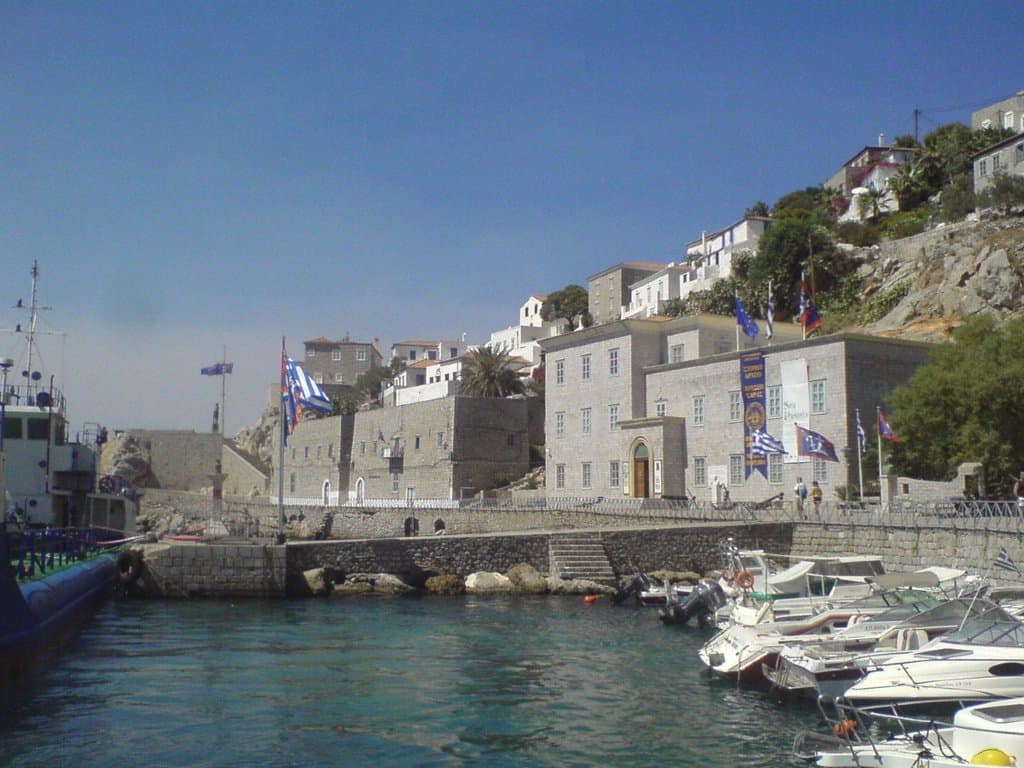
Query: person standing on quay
point(816, 497)
point(801, 494)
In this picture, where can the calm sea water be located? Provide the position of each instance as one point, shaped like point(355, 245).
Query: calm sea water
point(436, 681)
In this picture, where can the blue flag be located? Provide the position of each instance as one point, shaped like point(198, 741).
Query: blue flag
point(745, 321)
point(217, 369)
point(814, 444)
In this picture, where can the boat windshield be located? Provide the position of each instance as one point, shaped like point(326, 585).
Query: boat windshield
point(994, 627)
point(951, 613)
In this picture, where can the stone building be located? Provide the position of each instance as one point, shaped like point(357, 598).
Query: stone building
point(1008, 113)
point(1006, 156)
point(649, 408)
point(709, 257)
point(440, 449)
point(609, 290)
point(337, 365)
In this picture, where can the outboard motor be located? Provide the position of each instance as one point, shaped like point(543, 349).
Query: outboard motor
point(637, 584)
point(705, 598)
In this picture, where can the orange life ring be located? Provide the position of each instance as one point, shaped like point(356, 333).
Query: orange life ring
point(591, 598)
point(744, 579)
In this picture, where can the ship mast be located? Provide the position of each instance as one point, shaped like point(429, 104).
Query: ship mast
point(32, 377)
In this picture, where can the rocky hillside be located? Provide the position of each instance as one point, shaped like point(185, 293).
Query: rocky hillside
point(949, 273)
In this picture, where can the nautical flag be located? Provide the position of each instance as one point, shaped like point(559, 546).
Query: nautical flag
point(884, 430)
point(217, 369)
point(809, 317)
point(1004, 561)
point(745, 321)
point(769, 313)
point(811, 443)
point(762, 442)
point(862, 438)
point(298, 392)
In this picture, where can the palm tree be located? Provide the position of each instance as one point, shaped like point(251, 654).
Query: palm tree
point(488, 373)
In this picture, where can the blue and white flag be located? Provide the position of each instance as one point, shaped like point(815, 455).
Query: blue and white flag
point(769, 313)
point(762, 442)
point(745, 321)
point(862, 438)
point(298, 392)
point(1004, 561)
point(814, 444)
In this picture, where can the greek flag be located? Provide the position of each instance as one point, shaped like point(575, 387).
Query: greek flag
point(762, 442)
point(862, 438)
point(769, 313)
point(1004, 561)
point(298, 392)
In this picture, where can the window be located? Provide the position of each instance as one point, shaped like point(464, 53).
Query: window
point(291, 483)
point(361, 354)
point(510, 440)
point(613, 418)
point(417, 446)
point(339, 378)
point(440, 439)
point(330, 450)
point(736, 469)
point(675, 353)
point(775, 402)
point(431, 354)
point(661, 408)
point(394, 482)
point(820, 470)
point(560, 371)
point(38, 429)
point(12, 429)
point(560, 424)
point(585, 421)
point(362, 448)
point(412, 356)
point(585, 367)
point(310, 352)
point(1008, 119)
point(318, 377)
point(735, 406)
point(453, 351)
point(613, 474)
point(983, 167)
point(700, 472)
point(335, 354)
point(305, 453)
point(560, 476)
point(585, 474)
point(613, 362)
point(698, 411)
point(818, 396)
point(774, 467)
point(997, 162)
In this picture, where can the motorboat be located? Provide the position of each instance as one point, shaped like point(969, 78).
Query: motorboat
point(828, 667)
point(705, 598)
point(991, 733)
point(982, 660)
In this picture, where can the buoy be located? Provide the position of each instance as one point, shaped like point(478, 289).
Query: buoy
point(992, 756)
point(844, 728)
point(744, 579)
point(591, 598)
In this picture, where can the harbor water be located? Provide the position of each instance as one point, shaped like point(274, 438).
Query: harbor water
point(404, 682)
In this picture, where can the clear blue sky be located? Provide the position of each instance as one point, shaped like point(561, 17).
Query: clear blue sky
point(192, 176)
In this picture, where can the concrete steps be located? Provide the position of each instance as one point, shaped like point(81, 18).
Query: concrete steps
point(580, 556)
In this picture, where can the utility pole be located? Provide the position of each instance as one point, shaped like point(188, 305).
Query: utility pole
point(917, 115)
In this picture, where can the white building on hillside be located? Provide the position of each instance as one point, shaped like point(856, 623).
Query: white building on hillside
point(648, 296)
point(520, 341)
point(710, 256)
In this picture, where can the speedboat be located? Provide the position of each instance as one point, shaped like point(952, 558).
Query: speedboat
point(980, 661)
point(991, 733)
point(827, 668)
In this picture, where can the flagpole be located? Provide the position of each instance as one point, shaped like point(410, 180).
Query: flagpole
point(223, 385)
point(280, 457)
point(879, 431)
point(803, 317)
point(771, 311)
point(860, 456)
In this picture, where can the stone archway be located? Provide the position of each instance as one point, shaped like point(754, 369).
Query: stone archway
point(640, 459)
point(325, 493)
point(360, 491)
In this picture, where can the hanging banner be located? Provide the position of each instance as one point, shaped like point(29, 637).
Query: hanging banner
point(752, 386)
point(796, 407)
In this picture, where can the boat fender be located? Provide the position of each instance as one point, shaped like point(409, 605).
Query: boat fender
point(744, 579)
point(129, 566)
point(591, 598)
point(844, 728)
point(992, 756)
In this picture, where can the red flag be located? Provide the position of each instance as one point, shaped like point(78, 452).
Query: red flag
point(884, 430)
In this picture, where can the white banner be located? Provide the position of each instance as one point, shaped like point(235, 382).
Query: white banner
point(796, 406)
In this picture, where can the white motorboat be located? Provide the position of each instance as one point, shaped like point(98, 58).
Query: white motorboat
point(827, 668)
point(981, 661)
point(991, 733)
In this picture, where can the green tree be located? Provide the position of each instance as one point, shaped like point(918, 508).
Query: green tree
point(906, 141)
point(1005, 190)
point(370, 384)
point(570, 303)
point(966, 404)
point(489, 373)
point(784, 251)
point(812, 203)
point(958, 198)
point(760, 208)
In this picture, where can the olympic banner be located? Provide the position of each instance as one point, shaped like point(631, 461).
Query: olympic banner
point(752, 386)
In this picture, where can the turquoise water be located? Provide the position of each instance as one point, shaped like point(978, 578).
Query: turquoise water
point(452, 681)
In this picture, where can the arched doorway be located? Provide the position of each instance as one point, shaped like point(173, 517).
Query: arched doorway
point(641, 471)
point(325, 493)
point(360, 491)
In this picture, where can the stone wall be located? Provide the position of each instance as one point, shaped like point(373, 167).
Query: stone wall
point(199, 570)
point(182, 459)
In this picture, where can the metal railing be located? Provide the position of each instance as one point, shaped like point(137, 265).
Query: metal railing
point(33, 553)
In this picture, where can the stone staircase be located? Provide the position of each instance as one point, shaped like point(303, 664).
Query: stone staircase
point(580, 556)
